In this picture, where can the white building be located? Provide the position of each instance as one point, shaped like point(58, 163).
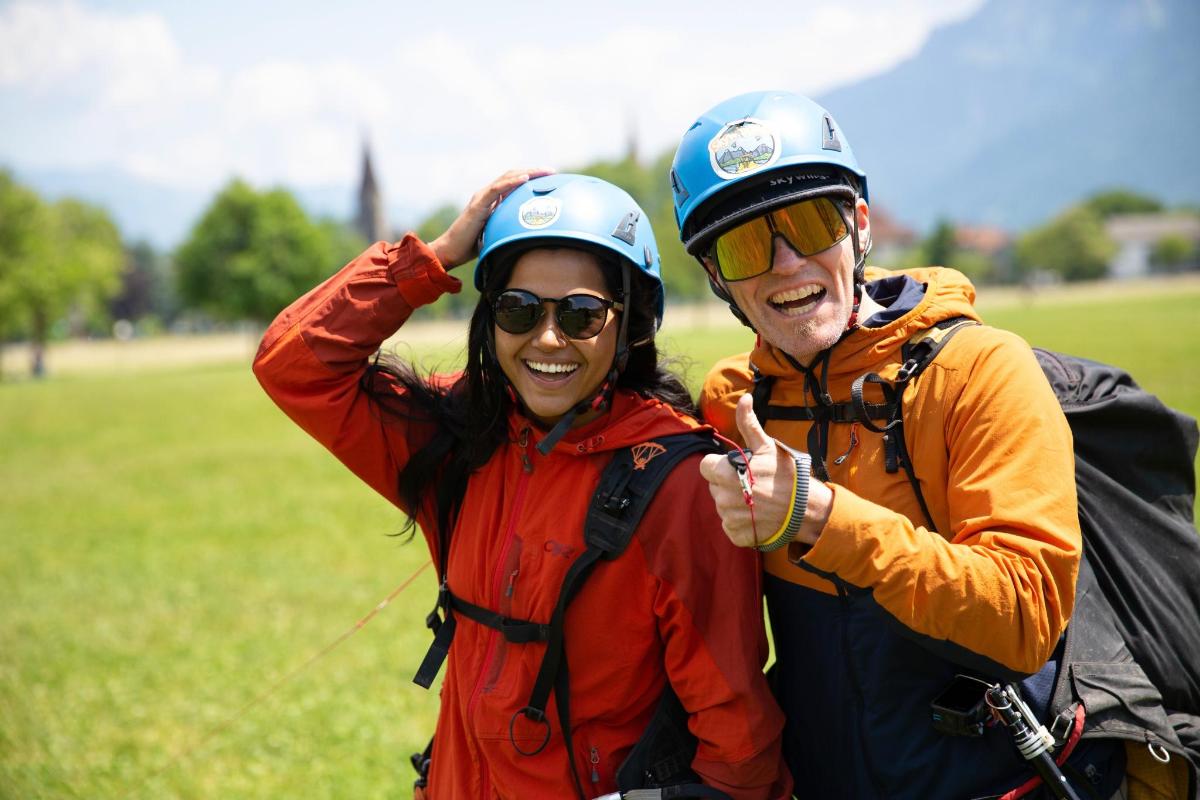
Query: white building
point(1137, 234)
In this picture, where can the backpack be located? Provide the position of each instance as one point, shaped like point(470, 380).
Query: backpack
point(1130, 662)
point(660, 763)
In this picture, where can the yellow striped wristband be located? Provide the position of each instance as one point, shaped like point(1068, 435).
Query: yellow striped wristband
point(796, 508)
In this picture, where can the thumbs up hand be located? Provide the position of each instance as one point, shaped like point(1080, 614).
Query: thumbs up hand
point(773, 471)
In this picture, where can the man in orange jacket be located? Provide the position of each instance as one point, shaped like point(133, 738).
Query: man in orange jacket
point(882, 583)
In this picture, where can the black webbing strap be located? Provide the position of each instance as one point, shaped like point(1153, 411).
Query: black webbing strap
point(449, 492)
point(625, 490)
point(626, 487)
point(517, 631)
point(761, 392)
point(420, 762)
point(439, 648)
point(917, 354)
point(838, 412)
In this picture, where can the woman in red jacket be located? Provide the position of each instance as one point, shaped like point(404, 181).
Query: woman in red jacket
point(498, 465)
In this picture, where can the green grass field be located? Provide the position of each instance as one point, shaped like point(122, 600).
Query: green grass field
point(173, 546)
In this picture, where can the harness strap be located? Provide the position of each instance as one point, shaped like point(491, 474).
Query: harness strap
point(626, 487)
point(917, 353)
point(620, 500)
point(443, 635)
point(838, 412)
point(517, 631)
point(555, 652)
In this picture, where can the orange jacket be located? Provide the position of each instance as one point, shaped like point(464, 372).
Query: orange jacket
point(990, 588)
point(680, 604)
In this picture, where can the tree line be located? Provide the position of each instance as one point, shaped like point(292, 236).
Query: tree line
point(64, 269)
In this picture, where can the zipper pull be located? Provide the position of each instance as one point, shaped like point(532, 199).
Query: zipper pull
point(853, 443)
point(508, 590)
point(595, 759)
point(523, 443)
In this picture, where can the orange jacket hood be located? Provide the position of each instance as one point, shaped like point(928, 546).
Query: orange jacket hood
point(948, 294)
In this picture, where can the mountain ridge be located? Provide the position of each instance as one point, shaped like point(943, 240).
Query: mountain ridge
point(1023, 108)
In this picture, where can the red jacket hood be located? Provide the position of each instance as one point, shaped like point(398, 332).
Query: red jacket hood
point(632, 419)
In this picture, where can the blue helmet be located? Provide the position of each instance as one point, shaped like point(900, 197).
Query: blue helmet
point(573, 208)
point(755, 152)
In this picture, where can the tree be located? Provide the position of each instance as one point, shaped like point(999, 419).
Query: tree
point(147, 287)
point(1073, 245)
point(52, 257)
point(940, 247)
point(1121, 201)
point(1172, 252)
point(254, 252)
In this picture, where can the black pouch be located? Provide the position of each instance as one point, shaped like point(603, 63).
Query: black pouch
point(961, 709)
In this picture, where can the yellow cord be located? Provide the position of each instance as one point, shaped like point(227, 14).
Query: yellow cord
point(775, 537)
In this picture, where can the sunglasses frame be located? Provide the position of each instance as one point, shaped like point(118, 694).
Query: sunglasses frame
point(608, 305)
point(838, 204)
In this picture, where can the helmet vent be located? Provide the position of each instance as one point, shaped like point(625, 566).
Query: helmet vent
point(626, 229)
point(681, 193)
point(829, 136)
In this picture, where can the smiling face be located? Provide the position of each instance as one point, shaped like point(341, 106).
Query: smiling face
point(803, 304)
point(549, 371)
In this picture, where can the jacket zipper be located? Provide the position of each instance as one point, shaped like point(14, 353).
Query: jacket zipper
point(498, 576)
point(594, 758)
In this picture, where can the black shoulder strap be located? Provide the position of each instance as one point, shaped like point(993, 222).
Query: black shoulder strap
point(626, 487)
point(884, 418)
point(625, 490)
point(629, 483)
point(918, 353)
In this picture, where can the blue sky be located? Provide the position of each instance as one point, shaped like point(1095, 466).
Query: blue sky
point(449, 93)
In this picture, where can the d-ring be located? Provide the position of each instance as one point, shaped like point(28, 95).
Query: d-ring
point(1155, 748)
point(512, 722)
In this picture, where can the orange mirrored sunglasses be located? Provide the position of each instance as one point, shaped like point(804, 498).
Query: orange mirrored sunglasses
point(809, 227)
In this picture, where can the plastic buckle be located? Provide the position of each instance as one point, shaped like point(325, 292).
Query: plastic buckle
point(615, 503)
point(1060, 726)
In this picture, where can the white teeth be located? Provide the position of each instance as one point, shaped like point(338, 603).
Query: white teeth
point(794, 294)
point(551, 367)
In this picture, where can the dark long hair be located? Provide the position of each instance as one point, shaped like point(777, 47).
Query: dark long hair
point(470, 415)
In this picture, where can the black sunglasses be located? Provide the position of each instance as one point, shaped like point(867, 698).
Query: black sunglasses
point(579, 316)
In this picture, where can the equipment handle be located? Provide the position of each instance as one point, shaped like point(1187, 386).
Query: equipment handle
point(1031, 738)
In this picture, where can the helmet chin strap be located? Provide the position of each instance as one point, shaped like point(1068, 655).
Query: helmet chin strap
point(600, 399)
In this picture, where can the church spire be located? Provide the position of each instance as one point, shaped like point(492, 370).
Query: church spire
point(371, 222)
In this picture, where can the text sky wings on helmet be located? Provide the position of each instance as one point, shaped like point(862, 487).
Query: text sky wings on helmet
point(783, 131)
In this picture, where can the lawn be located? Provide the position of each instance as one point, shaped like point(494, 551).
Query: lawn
point(173, 547)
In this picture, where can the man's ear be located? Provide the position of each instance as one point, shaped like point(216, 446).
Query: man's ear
point(710, 267)
point(862, 220)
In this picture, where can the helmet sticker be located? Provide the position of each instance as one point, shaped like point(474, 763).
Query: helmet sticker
point(743, 146)
point(538, 212)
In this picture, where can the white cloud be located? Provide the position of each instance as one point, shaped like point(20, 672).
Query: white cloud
point(444, 112)
point(46, 46)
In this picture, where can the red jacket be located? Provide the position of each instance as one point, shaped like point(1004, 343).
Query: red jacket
point(681, 604)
